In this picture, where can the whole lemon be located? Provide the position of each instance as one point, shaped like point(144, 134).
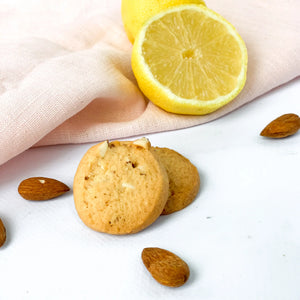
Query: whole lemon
point(136, 12)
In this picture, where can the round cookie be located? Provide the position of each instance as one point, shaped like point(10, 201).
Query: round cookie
point(184, 180)
point(120, 187)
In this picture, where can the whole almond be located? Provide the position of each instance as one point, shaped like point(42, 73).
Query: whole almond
point(2, 233)
point(165, 267)
point(41, 188)
point(283, 126)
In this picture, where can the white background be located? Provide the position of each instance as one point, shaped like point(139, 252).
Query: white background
point(240, 237)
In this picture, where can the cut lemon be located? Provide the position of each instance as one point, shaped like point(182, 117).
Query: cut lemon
point(136, 12)
point(189, 60)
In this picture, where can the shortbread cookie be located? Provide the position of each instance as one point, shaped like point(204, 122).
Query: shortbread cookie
point(184, 180)
point(120, 187)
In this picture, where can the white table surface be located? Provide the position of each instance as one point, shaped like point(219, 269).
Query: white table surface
point(240, 237)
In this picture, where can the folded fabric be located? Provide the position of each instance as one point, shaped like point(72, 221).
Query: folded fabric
point(65, 74)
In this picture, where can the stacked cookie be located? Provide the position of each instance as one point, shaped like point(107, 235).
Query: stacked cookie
point(122, 187)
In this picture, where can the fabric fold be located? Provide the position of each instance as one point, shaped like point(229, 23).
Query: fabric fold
point(65, 74)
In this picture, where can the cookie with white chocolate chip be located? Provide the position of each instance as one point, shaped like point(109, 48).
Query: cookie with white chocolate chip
point(120, 187)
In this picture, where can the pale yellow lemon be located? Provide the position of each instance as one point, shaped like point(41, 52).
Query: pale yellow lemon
point(136, 12)
point(189, 60)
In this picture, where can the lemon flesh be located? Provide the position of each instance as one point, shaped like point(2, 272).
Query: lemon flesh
point(136, 12)
point(189, 60)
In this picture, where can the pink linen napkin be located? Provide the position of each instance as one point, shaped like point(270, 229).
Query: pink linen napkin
point(65, 74)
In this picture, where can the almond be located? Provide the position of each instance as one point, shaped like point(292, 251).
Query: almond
point(2, 233)
point(41, 188)
point(143, 142)
point(165, 267)
point(281, 127)
point(103, 148)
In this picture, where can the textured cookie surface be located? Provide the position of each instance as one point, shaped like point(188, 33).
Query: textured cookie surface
point(184, 180)
point(120, 187)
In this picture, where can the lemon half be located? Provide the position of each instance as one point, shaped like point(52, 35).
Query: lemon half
point(189, 60)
